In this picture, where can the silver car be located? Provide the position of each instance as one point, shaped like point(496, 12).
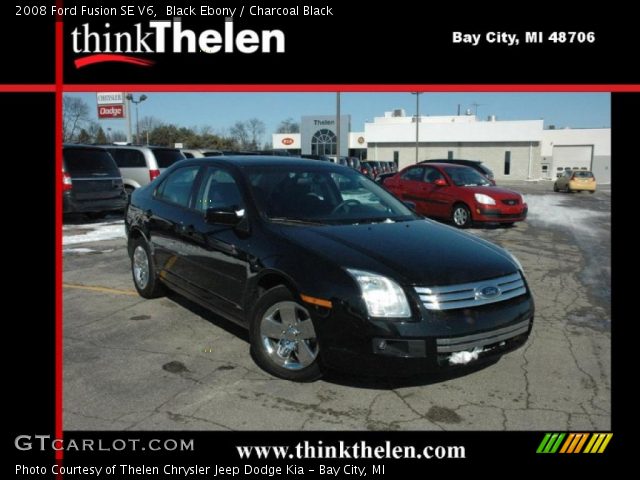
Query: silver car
point(140, 165)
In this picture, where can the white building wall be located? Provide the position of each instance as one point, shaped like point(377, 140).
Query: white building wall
point(490, 153)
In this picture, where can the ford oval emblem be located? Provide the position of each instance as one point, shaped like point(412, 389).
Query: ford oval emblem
point(489, 292)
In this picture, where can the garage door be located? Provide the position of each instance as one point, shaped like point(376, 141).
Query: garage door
point(573, 157)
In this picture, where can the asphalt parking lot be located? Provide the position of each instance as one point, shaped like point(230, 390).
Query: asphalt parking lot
point(135, 364)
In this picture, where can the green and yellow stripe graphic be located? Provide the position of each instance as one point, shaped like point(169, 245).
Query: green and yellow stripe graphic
point(574, 443)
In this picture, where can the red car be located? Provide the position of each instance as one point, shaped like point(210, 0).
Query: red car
point(458, 193)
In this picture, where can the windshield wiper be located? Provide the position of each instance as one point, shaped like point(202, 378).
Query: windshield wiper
point(295, 221)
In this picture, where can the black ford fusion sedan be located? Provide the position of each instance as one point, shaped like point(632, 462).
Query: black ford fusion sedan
point(325, 268)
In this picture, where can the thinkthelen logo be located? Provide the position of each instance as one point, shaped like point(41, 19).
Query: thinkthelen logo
point(167, 36)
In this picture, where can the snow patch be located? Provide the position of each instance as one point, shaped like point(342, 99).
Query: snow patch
point(551, 209)
point(78, 250)
point(97, 232)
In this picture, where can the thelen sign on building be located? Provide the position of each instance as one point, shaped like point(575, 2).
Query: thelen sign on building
point(110, 98)
point(110, 111)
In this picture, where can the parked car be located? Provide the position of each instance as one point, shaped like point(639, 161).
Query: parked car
point(458, 193)
point(370, 168)
point(576, 181)
point(324, 268)
point(140, 165)
point(475, 164)
point(91, 181)
point(354, 162)
point(199, 152)
point(323, 158)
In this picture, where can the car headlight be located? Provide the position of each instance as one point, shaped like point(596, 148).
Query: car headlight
point(522, 199)
point(383, 296)
point(484, 199)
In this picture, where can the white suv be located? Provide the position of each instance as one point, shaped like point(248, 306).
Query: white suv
point(140, 165)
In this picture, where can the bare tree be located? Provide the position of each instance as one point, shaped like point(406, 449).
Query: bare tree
point(118, 136)
point(75, 115)
point(288, 125)
point(240, 133)
point(256, 129)
point(149, 123)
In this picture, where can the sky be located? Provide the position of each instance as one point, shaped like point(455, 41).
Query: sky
point(221, 110)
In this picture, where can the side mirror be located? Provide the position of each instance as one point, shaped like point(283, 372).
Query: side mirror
point(441, 182)
point(231, 216)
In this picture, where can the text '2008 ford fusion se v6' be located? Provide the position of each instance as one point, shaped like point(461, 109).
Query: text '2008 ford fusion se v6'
point(325, 268)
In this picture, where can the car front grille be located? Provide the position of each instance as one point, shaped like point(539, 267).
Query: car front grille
point(511, 202)
point(469, 295)
point(479, 340)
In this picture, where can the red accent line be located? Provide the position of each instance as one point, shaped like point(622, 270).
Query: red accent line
point(26, 88)
point(104, 57)
point(58, 230)
point(355, 88)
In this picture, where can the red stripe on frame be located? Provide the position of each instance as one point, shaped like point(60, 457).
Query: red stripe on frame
point(356, 88)
point(58, 230)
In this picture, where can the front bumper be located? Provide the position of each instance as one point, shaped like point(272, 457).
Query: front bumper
point(388, 348)
point(500, 214)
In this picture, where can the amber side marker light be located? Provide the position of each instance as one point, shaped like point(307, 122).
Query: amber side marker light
point(316, 301)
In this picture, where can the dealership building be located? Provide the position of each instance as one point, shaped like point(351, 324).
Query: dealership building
point(513, 149)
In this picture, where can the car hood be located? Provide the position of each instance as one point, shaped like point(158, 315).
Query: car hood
point(420, 252)
point(496, 192)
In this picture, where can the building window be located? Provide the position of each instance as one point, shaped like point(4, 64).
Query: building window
point(507, 163)
point(545, 168)
point(324, 142)
point(396, 157)
point(450, 155)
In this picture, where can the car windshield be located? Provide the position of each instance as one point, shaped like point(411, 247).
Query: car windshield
point(322, 196)
point(583, 174)
point(466, 177)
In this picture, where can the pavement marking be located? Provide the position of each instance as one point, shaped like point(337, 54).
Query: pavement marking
point(92, 288)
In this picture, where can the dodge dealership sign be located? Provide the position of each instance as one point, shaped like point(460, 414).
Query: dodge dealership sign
point(110, 111)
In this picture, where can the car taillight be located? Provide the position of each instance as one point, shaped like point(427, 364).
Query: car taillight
point(153, 174)
point(67, 183)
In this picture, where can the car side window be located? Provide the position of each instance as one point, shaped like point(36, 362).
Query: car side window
point(176, 188)
point(415, 173)
point(218, 190)
point(431, 175)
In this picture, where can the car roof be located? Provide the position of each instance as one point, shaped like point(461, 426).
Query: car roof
point(442, 164)
point(83, 146)
point(265, 160)
point(460, 161)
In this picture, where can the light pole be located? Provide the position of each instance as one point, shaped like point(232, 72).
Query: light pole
point(417, 94)
point(141, 99)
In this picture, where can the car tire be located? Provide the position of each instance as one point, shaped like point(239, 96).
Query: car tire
point(461, 216)
point(555, 187)
point(143, 270)
point(283, 338)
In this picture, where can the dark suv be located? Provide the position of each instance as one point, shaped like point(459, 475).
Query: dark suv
point(291, 250)
point(91, 181)
point(475, 164)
